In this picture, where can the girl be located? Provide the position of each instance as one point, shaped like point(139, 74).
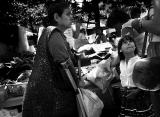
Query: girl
point(134, 102)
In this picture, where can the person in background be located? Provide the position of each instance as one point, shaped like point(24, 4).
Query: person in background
point(72, 34)
point(69, 37)
point(134, 102)
point(100, 37)
point(82, 34)
point(81, 40)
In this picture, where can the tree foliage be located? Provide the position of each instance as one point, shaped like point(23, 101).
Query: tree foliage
point(100, 9)
point(22, 12)
point(33, 11)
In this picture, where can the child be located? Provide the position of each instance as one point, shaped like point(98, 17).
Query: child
point(134, 102)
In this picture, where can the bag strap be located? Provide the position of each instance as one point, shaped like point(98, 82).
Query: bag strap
point(65, 66)
point(145, 38)
point(77, 90)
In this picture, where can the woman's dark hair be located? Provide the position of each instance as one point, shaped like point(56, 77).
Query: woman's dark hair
point(135, 12)
point(121, 41)
point(117, 16)
point(56, 7)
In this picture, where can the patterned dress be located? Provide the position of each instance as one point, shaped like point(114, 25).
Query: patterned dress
point(49, 92)
point(153, 51)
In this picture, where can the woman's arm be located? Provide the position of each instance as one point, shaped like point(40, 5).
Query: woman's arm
point(60, 53)
point(153, 25)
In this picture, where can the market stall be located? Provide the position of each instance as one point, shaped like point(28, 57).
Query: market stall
point(14, 76)
point(11, 96)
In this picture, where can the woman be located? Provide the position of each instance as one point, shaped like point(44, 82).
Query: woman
point(49, 92)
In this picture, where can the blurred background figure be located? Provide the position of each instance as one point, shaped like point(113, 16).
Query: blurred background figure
point(81, 40)
point(100, 37)
point(116, 19)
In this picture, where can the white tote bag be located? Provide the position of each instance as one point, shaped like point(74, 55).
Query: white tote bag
point(88, 102)
point(92, 103)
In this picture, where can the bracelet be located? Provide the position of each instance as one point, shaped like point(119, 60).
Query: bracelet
point(137, 24)
point(140, 24)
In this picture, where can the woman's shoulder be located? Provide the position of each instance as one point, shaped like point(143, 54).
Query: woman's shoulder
point(53, 29)
point(54, 33)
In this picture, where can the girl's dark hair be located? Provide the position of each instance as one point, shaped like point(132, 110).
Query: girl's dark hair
point(56, 7)
point(121, 41)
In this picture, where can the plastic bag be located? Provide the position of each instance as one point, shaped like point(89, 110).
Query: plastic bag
point(101, 75)
point(92, 103)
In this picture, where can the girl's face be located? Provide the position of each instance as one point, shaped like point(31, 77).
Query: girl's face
point(65, 20)
point(128, 46)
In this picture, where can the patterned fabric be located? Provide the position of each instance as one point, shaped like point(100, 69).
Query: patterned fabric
point(153, 49)
point(135, 103)
point(48, 93)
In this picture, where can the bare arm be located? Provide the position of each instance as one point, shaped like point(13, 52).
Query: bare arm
point(153, 25)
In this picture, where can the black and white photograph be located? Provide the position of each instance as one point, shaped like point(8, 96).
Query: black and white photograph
point(80, 58)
